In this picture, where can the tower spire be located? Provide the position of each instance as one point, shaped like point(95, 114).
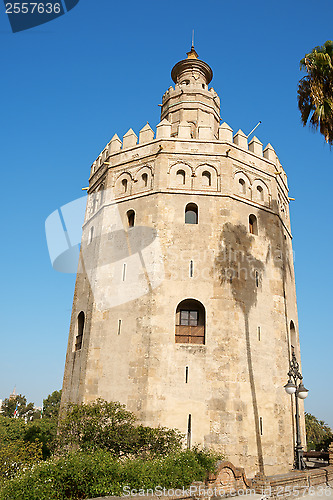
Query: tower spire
point(192, 54)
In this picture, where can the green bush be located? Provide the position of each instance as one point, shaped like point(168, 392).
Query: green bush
point(42, 430)
point(16, 455)
point(87, 475)
point(109, 426)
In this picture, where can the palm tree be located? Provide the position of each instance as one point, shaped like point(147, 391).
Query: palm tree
point(315, 90)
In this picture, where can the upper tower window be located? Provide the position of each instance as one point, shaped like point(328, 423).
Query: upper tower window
point(124, 183)
point(260, 193)
point(253, 224)
point(206, 179)
point(131, 218)
point(145, 179)
point(191, 213)
point(180, 177)
point(242, 186)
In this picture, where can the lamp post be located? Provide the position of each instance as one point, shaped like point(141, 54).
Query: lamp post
point(295, 386)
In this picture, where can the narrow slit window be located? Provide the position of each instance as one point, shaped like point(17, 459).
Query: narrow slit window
point(189, 431)
point(119, 326)
point(186, 374)
point(292, 334)
point(101, 196)
point(260, 425)
point(259, 333)
point(191, 269)
point(124, 272)
point(91, 235)
point(257, 279)
point(80, 328)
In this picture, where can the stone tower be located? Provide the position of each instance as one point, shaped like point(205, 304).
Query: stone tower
point(185, 305)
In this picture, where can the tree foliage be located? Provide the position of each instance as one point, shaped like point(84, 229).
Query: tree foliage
point(318, 433)
point(315, 90)
point(51, 405)
point(109, 426)
point(24, 409)
point(29, 427)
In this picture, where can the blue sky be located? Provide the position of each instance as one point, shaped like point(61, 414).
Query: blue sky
point(69, 85)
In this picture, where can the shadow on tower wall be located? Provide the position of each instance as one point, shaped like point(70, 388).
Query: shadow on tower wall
point(238, 267)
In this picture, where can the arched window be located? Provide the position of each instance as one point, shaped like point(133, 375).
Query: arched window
point(253, 224)
point(80, 328)
point(145, 179)
point(242, 186)
point(260, 193)
point(131, 218)
point(191, 213)
point(91, 235)
point(124, 183)
point(292, 334)
point(181, 177)
point(206, 179)
point(190, 322)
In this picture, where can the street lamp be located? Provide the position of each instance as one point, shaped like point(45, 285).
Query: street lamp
point(295, 386)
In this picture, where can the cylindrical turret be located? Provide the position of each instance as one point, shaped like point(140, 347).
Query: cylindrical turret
point(191, 101)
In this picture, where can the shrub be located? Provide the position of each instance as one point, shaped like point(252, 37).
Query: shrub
point(41, 430)
point(16, 455)
point(88, 475)
point(109, 426)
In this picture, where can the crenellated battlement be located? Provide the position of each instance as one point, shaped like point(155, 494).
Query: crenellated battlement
point(184, 133)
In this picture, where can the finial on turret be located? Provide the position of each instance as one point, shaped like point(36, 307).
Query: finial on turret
point(192, 54)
